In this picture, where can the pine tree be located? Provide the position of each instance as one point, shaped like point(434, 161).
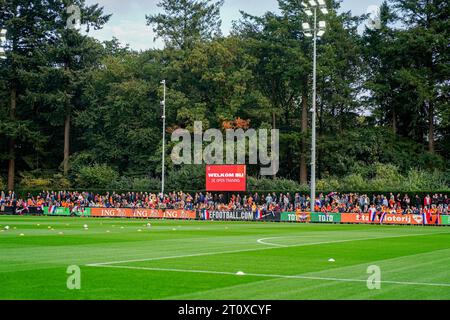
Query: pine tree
point(425, 40)
point(186, 22)
point(27, 24)
point(71, 55)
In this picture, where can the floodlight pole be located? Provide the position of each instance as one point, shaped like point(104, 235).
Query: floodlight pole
point(314, 113)
point(163, 103)
point(2, 46)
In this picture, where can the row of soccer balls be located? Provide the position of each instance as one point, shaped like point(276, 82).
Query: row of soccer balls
point(84, 226)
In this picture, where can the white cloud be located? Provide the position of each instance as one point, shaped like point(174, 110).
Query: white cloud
point(135, 33)
point(128, 23)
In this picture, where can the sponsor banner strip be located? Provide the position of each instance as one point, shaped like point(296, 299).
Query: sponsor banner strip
point(295, 217)
point(397, 219)
point(238, 215)
point(326, 217)
point(143, 213)
point(20, 210)
point(62, 211)
point(445, 220)
point(247, 215)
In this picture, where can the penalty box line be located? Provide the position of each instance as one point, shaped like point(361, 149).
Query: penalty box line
point(252, 249)
point(277, 276)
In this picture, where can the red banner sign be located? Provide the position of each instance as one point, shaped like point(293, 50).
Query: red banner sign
point(226, 178)
point(388, 219)
point(142, 213)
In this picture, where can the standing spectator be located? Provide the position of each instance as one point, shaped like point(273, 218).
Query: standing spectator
point(268, 200)
point(14, 206)
point(427, 202)
point(417, 201)
point(285, 202)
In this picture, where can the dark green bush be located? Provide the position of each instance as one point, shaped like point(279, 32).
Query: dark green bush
point(96, 176)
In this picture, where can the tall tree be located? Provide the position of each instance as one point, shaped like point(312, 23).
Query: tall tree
point(121, 121)
point(186, 22)
point(285, 68)
point(281, 74)
point(72, 55)
point(27, 24)
point(383, 62)
point(425, 39)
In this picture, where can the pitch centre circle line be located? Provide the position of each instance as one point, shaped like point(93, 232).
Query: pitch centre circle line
point(264, 241)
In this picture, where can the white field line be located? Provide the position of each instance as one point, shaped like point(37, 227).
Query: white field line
point(250, 250)
point(263, 240)
point(276, 276)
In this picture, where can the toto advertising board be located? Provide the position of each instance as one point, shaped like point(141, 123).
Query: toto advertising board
point(445, 220)
point(226, 178)
point(326, 217)
point(294, 217)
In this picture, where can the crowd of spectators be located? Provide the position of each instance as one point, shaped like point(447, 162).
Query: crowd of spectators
point(269, 202)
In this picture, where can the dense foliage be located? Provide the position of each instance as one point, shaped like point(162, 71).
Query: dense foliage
point(77, 113)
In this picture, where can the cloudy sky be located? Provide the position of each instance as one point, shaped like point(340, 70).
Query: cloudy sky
point(129, 26)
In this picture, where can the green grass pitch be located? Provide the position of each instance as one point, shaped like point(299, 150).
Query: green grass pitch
point(189, 260)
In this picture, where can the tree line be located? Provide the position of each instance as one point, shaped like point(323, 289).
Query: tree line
point(79, 113)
